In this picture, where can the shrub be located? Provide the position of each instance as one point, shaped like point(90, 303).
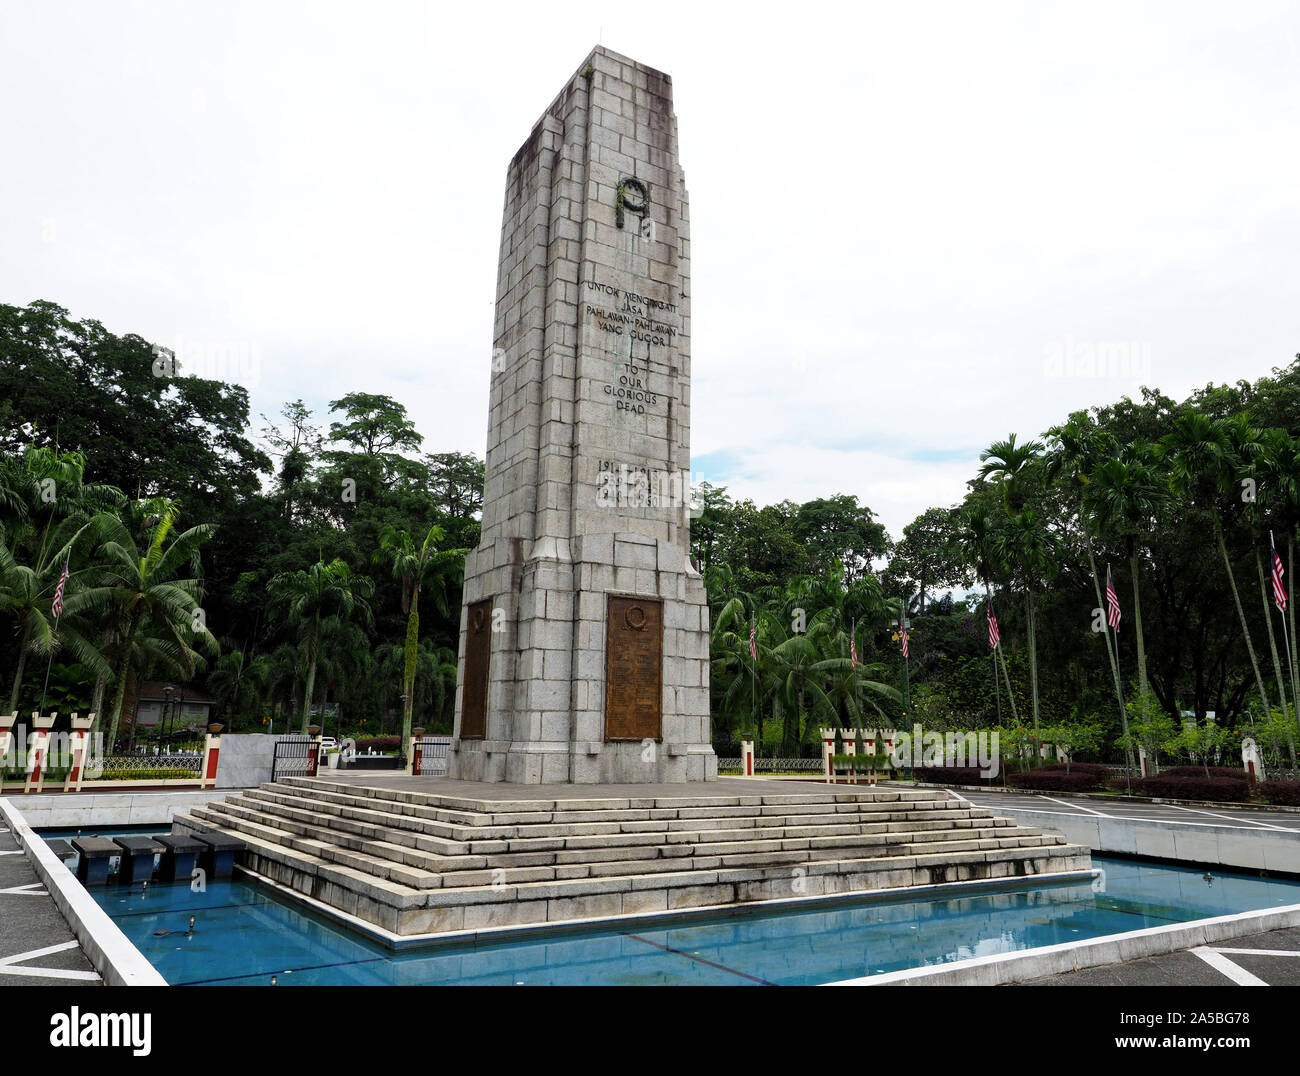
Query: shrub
point(949, 775)
point(380, 743)
point(1283, 793)
point(160, 774)
point(1199, 771)
point(1219, 789)
point(1083, 767)
point(1055, 780)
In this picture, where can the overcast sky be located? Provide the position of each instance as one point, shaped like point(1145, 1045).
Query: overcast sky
point(915, 227)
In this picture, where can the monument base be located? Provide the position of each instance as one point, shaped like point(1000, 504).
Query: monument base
point(590, 763)
point(434, 858)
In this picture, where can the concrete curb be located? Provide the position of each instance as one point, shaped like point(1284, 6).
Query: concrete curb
point(650, 920)
point(118, 962)
point(1005, 968)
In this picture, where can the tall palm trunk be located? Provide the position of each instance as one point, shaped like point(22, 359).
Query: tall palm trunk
point(1033, 666)
point(18, 672)
point(97, 703)
point(1111, 655)
point(1272, 639)
point(1137, 618)
point(307, 688)
point(1272, 645)
point(1241, 614)
point(408, 671)
point(1007, 677)
point(1290, 612)
point(119, 688)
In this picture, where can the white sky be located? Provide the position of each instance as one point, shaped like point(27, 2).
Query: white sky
point(909, 221)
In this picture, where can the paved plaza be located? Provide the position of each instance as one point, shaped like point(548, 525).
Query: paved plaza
point(1164, 813)
point(36, 944)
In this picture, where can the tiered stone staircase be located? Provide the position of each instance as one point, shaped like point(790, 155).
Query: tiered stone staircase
point(415, 863)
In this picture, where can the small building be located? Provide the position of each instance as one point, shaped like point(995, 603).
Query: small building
point(159, 703)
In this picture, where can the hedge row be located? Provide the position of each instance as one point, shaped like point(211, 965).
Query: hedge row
point(1233, 772)
point(1055, 779)
point(1283, 793)
point(951, 775)
point(1174, 786)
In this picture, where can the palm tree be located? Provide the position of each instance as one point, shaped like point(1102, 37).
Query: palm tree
point(1202, 470)
point(308, 598)
point(1280, 491)
point(1010, 466)
point(977, 541)
point(1077, 448)
point(140, 578)
point(415, 569)
point(1123, 497)
point(1022, 544)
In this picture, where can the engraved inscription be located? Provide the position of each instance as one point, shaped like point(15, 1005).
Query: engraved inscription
point(634, 638)
point(478, 652)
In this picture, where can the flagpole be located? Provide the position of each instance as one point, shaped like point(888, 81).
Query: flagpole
point(58, 601)
point(1286, 637)
point(853, 664)
point(1119, 687)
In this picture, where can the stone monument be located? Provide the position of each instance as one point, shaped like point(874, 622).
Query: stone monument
point(584, 638)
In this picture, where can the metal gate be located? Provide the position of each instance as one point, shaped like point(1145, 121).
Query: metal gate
point(430, 758)
point(294, 758)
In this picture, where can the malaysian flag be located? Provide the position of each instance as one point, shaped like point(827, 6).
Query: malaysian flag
point(1279, 591)
point(57, 607)
point(1112, 602)
point(853, 646)
point(994, 636)
point(902, 632)
point(753, 650)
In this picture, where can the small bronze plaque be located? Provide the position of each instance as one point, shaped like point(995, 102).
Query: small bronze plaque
point(478, 652)
point(634, 681)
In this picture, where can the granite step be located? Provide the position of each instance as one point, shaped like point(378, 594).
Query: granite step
point(633, 824)
point(397, 863)
point(283, 806)
point(405, 911)
point(422, 863)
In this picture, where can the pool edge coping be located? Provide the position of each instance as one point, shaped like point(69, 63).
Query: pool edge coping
point(110, 952)
point(1001, 969)
point(397, 943)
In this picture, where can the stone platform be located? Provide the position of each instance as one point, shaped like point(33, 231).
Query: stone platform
point(432, 857)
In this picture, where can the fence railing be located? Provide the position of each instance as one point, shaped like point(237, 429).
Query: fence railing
point(773, 765)
point(429, 758)
point(141, 767)
point(295, 758)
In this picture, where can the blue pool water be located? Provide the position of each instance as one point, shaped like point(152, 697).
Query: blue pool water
point(244, 934)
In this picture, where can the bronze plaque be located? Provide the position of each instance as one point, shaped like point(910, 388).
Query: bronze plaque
point(634, 681)
point(478, 651)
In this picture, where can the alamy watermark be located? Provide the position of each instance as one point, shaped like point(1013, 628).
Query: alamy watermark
point(236, 361)
point(21, 752)
point(1125, 360)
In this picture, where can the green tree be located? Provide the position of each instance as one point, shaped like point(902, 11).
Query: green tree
point(148, 575)
point(307, 598)
point(417, 570)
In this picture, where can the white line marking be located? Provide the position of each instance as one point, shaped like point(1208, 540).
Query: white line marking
point(1230, 818)
point(1123, 817)
point(49, 950)
point(50, 973)
point(1076, 806)
point(1224, 966)
point(1258, 952)
point(32, 889)
point(15, 852)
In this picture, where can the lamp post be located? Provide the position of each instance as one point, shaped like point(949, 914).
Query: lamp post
point(166, 715)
